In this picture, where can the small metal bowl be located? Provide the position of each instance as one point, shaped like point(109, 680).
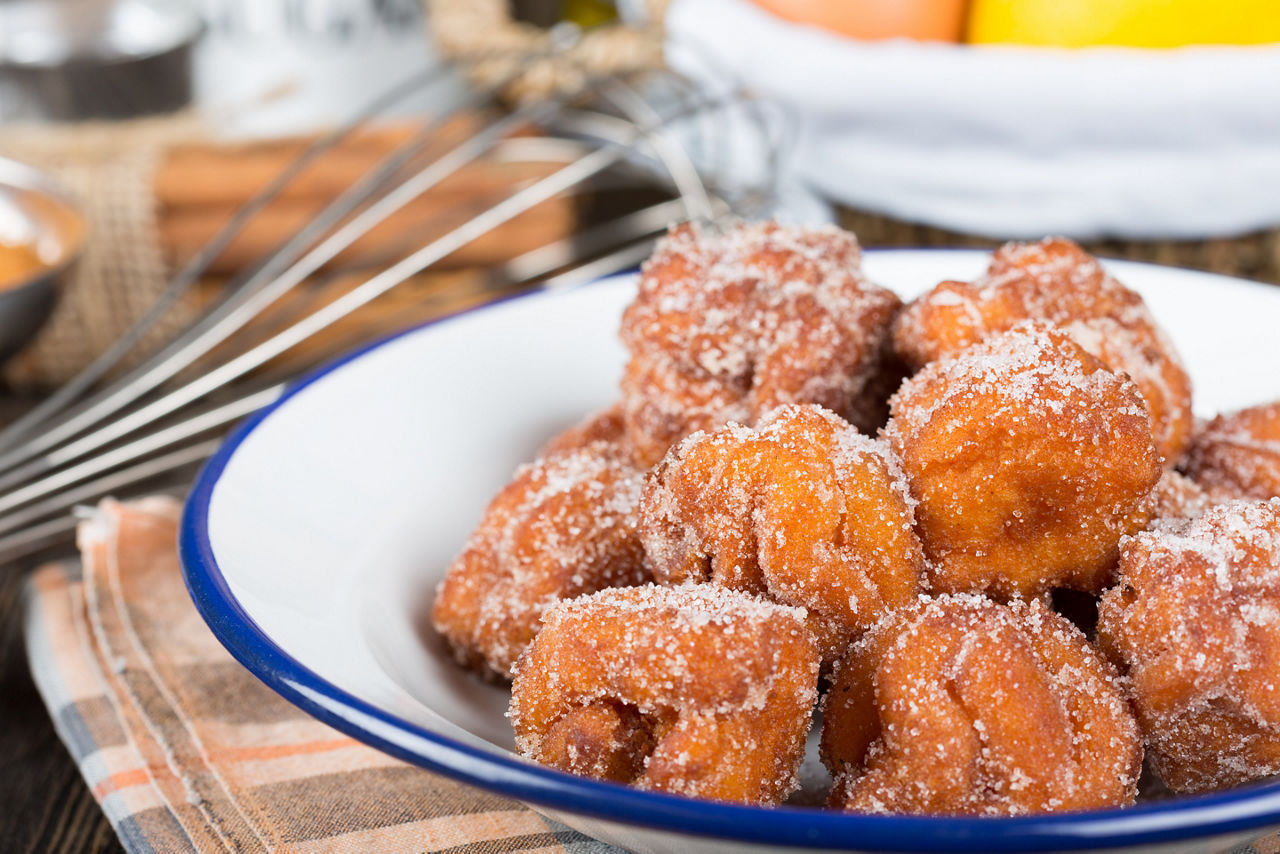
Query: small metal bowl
point(72, 60)
point(36, 212)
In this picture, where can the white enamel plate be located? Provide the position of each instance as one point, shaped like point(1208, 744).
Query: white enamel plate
point(314, 539)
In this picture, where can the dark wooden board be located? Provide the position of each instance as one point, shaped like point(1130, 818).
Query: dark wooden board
point(47, 806)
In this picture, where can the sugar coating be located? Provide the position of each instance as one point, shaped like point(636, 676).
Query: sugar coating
point(801, 508)
point(696, 689)
point(1195, 619)
point(1029, 461)
point(1055, 281)
point(564, 526)
point(959, 705)
point(1005, 459)
point(1175, 499)
point(605, 431)
point(1237, 455)
point(734, 321)
point(1145, 355)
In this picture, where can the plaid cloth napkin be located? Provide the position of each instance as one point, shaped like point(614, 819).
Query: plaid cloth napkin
point(186, 750)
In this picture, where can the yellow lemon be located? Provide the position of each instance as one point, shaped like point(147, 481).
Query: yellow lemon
point(1133, 23)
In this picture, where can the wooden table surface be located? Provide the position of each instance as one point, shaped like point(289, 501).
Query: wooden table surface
point(46, 806)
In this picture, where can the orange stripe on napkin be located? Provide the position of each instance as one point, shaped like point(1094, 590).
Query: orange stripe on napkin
point(277, 751)
point(202, 756)
point(122, 780)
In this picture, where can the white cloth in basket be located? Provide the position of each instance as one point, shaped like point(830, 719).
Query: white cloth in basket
point(1007, 141)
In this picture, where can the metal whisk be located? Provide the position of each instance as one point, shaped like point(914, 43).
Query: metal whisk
point(118, 432)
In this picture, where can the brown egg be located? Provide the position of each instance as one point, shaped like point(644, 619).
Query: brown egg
point(924, 20)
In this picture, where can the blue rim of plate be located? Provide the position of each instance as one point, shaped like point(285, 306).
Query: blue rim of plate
point(1185, 818)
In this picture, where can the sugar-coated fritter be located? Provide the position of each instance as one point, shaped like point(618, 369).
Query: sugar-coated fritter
point(695, 690)
point(802, 508)
point(1052, 280)
point(1147, 357)
point(605, 431)
point(1029, 461)
point(1237, 455)
point(958, 705)
point(564, 526)
point(1195, 620)
point(1055, 280)
point(1175, 498)
point(732, 322)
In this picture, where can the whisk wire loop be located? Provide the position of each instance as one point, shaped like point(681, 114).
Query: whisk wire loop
point(153, 422)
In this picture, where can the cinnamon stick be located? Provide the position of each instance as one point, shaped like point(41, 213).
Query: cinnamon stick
point(183, 233)
point(229, 174)
point(200, 187)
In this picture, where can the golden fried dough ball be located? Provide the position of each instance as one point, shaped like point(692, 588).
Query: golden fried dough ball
point(1029, 460)
point(1237, 455)
point(1175, 498)
point(959, 705)
point(1148, 359)
point(1195, 618)
point(1056, 281)
point(731, 323)
point(802, 508)
point(663, 405)
point(1051, 279)
point(606, 431)
point(564, 526)
point(695, 690)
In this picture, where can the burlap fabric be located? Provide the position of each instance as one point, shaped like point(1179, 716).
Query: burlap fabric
point(186, 750)
point(496, 47)
point(109, 168)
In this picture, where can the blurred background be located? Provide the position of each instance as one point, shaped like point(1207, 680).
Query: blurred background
point(1146, 128)
point(200, 199)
